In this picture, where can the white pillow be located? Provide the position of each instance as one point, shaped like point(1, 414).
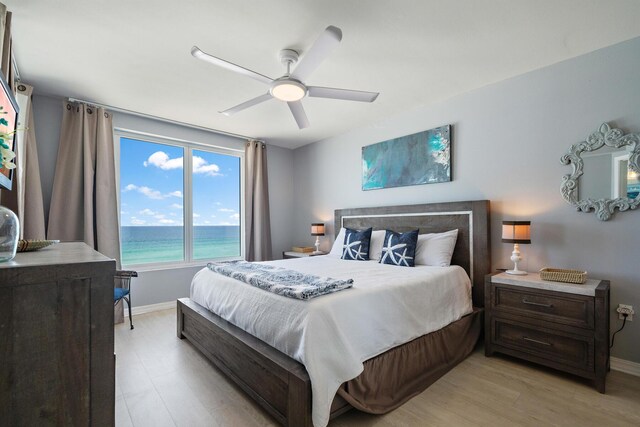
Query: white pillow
point(436, 249)
point(336, 249)
point(377, 242)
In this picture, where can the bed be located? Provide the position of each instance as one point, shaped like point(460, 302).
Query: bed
point(282, 385)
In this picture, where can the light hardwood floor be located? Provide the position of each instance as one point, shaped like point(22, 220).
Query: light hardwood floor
point(163, 381)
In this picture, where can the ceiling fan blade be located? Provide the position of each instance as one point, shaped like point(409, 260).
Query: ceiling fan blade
point(345, 94)
point(250, 103)
point(328, 40)
point(298, 113)
point(197, 53)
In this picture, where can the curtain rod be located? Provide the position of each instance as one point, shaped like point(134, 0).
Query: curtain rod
point(162, 119)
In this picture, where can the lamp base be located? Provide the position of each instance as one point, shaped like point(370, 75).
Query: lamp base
point(516, 272)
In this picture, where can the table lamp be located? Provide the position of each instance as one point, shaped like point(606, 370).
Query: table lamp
point(516, 232)
point(317, 229)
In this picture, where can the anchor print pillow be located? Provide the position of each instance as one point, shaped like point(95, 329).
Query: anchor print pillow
point(399, 248)
point(356, 244)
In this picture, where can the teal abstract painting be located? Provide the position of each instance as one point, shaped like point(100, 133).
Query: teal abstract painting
point(421, 158)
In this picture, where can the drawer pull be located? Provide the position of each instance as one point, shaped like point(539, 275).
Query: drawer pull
point(536, 341)
point(537, 304)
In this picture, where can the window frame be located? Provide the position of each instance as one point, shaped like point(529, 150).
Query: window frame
point(187, 201)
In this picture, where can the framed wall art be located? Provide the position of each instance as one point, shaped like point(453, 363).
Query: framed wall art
point(420, 158)
point(8, 124)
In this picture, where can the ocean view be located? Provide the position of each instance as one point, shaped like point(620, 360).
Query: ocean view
point(147, 244)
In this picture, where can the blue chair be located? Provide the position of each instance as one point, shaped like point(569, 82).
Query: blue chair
point(122, 287)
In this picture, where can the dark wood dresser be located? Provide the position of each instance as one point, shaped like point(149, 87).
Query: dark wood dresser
point(560, 325)
point(56, 338)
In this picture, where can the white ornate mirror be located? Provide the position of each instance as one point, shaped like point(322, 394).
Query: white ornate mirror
point(606, 172)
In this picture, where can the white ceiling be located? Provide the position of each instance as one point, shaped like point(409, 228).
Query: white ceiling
point(134, 54)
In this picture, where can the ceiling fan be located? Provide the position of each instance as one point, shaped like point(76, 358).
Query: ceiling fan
point(290, 88)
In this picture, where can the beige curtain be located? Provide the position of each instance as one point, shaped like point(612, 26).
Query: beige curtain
point(25, 198)
point(83, 201)
point(257, 222)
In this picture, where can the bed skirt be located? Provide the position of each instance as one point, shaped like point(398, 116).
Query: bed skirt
point(282, 386)
point(395, 376)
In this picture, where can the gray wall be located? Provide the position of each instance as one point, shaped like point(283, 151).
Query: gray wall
point(507, 141)
point(168, 284)
point(508, 138)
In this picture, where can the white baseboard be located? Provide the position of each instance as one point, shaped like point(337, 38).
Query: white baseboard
point(625, 366)
point(150, 308)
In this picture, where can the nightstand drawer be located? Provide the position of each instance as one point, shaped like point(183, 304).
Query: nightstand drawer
point(555, 346)
point(566, 309)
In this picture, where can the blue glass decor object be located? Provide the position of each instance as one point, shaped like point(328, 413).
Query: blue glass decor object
point(420, 158)
point(9, 234)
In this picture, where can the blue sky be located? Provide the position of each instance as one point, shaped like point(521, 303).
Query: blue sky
point(151, 185)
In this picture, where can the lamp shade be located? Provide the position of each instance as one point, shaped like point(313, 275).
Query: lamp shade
point(516, 231)
point(317, 229)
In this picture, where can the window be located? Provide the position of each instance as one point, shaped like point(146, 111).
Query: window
point(179, 201)
point(218, 205)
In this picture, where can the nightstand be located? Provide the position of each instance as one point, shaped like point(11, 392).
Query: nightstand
point(560, 325)
point(291, 254)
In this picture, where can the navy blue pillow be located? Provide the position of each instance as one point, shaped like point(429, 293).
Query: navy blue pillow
point(399, 248)
point(356, 244)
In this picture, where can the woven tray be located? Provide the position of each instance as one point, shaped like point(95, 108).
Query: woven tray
point(562, 275)
point(34, 245)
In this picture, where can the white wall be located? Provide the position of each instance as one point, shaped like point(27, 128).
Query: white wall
point(507, 141)
point(158, 286)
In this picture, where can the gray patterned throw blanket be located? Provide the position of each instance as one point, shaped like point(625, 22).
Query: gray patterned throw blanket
point(288, 283)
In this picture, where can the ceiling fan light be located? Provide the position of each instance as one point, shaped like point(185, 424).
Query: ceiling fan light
point(288, 90)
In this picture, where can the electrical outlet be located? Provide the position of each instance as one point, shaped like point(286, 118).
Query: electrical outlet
point(625, 309)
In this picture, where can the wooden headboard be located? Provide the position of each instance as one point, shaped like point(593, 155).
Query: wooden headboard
point(471, 218)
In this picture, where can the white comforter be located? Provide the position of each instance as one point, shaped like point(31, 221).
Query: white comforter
point(333, 334)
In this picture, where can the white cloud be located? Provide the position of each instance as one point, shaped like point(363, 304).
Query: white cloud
point(226, 210)
point(218, 203)
point(175, 206)
point(151, 193)
point(200, 165)
point(135, 221)
point(173, 214)
point(225, 223)
point(149, 212)
point(235, 216)
point(196, 215)
point(161, 160)
point(207, 222)
point(167, 222)
point(124, 213)
point(213, 216)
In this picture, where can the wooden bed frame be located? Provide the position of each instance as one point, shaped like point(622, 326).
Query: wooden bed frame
point(280, 384)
